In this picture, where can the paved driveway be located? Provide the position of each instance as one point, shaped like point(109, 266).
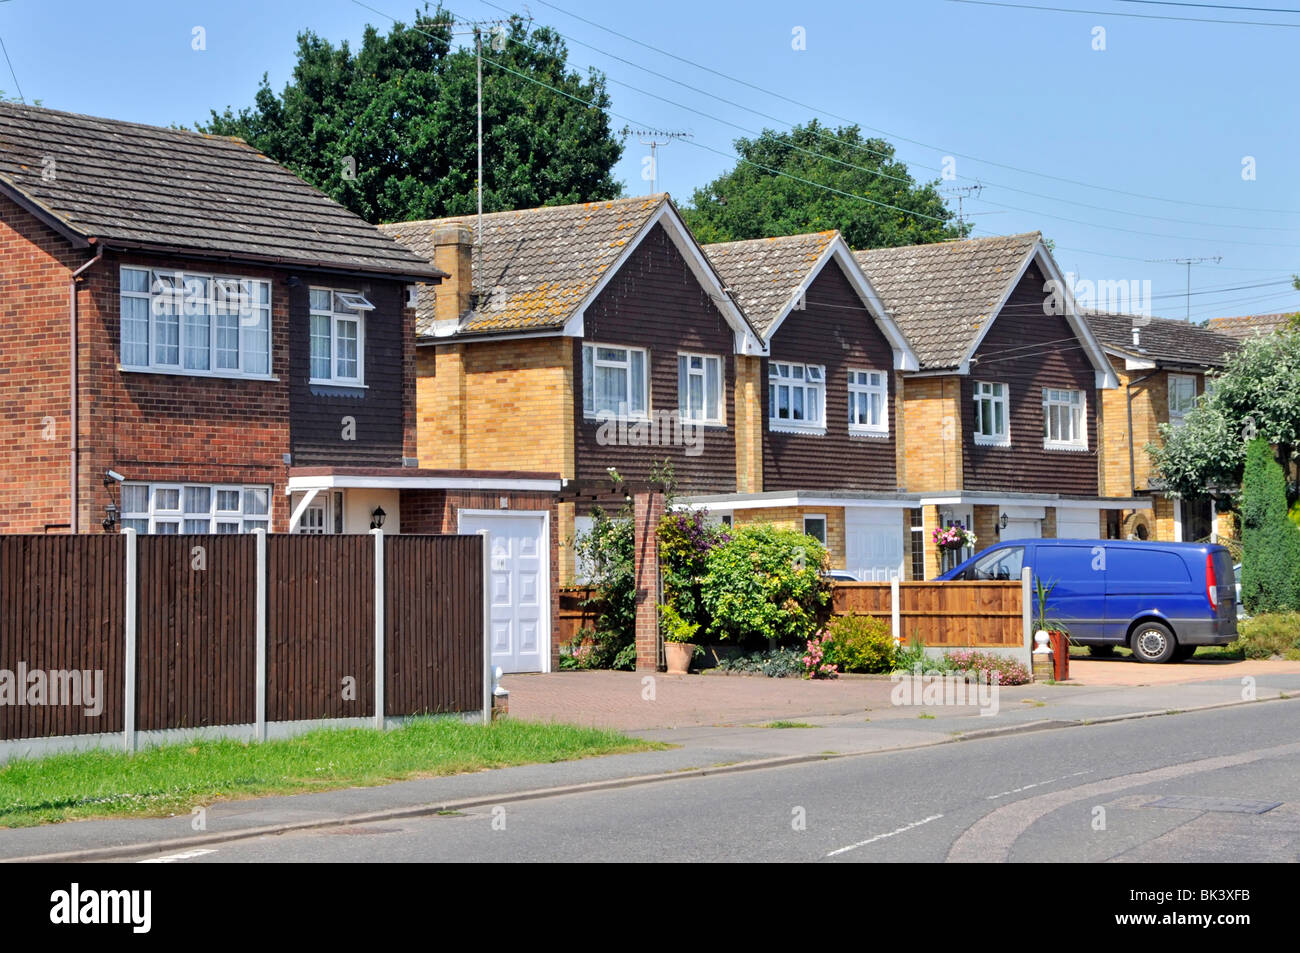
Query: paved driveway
point(1125, 671)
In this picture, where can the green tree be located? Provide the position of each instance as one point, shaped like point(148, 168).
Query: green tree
point(1270, 569)
point(1255, 396)
point(389, 131)
point(754, 201)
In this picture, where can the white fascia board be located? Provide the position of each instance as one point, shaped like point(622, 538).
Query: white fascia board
point(789, 501)
point(487, 337)
point(1080, 503)
point(1130, 503)
point(746, 342)
point(348, 481)
point(1137, 364)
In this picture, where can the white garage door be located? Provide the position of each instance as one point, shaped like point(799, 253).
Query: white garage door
point(1021, 529)
point(873, 543)
point(520, 591)
point(1078, 524)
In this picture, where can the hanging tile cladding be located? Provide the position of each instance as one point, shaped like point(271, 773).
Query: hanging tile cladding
point(655, 302)
point(836, 331)
point(1029, 350)
point(382, 412)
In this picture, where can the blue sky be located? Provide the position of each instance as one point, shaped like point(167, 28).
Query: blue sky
point(1019, 99)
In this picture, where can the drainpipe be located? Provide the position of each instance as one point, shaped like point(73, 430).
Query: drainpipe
point(1128, 399)
point(72, 390)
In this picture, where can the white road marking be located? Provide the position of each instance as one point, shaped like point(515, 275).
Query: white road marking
point(872, 840)
point(172, 858)
point(1036, 784)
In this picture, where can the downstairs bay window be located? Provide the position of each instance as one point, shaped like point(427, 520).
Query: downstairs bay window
point(174, 508)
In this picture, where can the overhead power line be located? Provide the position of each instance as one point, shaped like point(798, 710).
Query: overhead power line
point(1113, 13)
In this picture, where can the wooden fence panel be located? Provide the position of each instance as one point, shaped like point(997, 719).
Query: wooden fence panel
point(942, 614)
point(320, 627)
point(196, 645)
point(61, 609)
point(433, 624)
point(573, 616)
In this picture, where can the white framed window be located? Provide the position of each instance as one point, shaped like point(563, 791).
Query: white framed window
point(185, 322)
point(172, 508)
point(869, 402)
point(1064, 425)
point(1182, 397)
point(699, 388)
point(814, 525)
point(991, 424)
point(338, 336)
point(796, 395)
point(614, 381)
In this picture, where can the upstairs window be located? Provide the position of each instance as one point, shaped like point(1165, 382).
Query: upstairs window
point(1182, 397)
point(699, 388)
point(1064, 425)
point(796, 396)
point(190, 323)
point(868, 402)
point(991, 422)
point(614, 381)
point(338, 336)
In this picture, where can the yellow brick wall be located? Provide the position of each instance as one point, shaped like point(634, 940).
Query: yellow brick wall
point(502, 405)
point(749, 424)
point(1150, 409)
point(791, 517)
point(900, 430)
point(932, 438)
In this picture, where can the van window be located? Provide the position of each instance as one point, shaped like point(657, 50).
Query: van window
point(1154, 570)
point(1002, 564)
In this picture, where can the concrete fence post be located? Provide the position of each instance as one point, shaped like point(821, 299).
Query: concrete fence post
point(378, 535)
point(1027, 612)
point(260, 693)
point(895, 610)
point(486, 673)
point(131, 595)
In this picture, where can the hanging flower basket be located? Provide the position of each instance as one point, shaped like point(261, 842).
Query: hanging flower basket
point(953, 538)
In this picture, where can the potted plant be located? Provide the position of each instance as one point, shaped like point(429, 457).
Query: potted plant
point(1058, 633)
point(679, 648)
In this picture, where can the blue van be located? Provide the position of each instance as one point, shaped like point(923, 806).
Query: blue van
point(1161, 600)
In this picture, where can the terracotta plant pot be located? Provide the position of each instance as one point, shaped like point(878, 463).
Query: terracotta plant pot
point(679, 655)
point(1060, 643)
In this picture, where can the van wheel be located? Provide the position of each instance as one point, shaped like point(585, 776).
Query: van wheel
point(1101, 651)
point(1152, 642)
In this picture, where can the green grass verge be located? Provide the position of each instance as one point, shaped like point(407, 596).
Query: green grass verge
point(788, 724)
point(176, 778)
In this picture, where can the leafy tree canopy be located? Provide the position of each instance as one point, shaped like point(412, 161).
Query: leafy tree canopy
point(754, 201)
point(1255, 396)
point(389, 131)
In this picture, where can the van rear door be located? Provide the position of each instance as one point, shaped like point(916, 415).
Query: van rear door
point(1078, 576)
point(1226, 587)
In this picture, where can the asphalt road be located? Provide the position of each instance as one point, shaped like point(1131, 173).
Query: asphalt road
point(1088, 793)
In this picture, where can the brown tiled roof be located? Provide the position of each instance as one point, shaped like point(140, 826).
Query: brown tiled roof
point(1164, 340)
point(1251, 325)
point(763, 273)
point(127, 185)
point(538, 264)
point(942, 295)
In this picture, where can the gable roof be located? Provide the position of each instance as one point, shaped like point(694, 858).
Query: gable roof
point(1161, 340)
point(541, 267)
point(769, 276)
point(127, 185)
point(1251, 325)
point(942, 295)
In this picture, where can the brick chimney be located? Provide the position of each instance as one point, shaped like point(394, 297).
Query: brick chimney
point(453, 252)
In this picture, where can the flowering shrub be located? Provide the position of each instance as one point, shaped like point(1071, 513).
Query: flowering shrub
point(999, 669)
point(685, 540)
point(779, 663)
point(955, 536)
point(815, 662)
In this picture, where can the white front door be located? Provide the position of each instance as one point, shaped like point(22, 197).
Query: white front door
point(519, 588)
point(873, 543)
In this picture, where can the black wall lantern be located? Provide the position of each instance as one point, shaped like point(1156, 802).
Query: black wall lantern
point(377, 518)
point(110, 517)
point(1002, 523)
